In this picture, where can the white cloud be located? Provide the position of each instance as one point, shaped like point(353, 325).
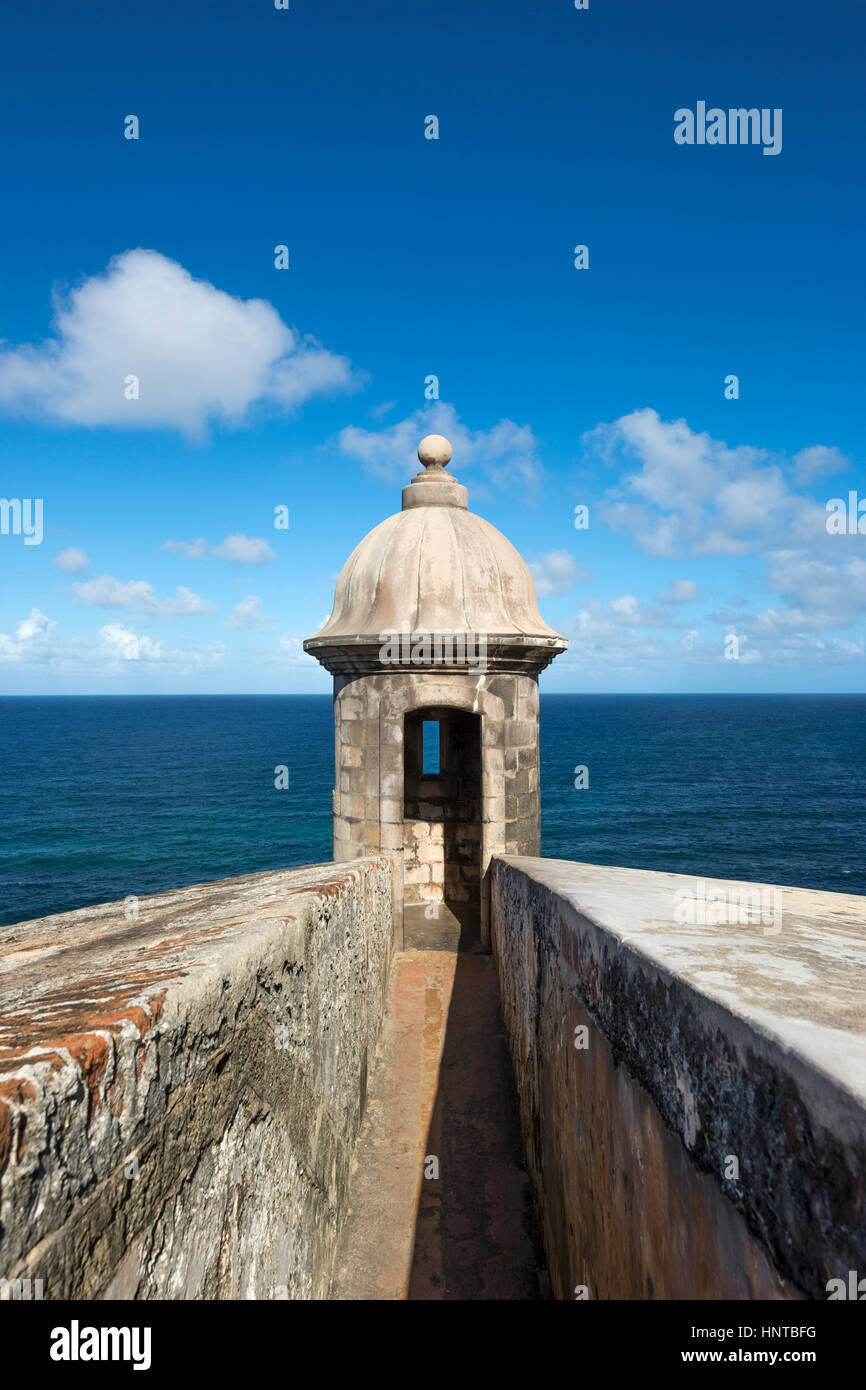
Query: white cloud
point(681, 492)
point(195, 550)
point(602, 644)
point(117, 648)
point(137, 596)
point(73, 560)
point(746, 656)
point(838, 592)
point(238, 548)
point(794, 637)
point(121, 643)
point(556, 573)
point(201, 356)
point(681, 591)
point(627, 609)
point(817, 462)
point(854, 649)
point(614, 636)
point(244, 550)
point(33, 639)
point(506, 454)
point(779, 622)
point(292, 648)
point(691, 494)
point(607, 642)
point(245, 614)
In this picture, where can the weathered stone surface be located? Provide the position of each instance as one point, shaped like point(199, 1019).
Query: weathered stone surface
point(707, 1042)
point(373, 810)
point(180, 1093)
point(438, 569)
point(461, 1226)
point(435, 611)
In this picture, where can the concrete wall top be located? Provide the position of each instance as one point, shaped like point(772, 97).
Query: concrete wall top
point(67, 977)
point(795, 974)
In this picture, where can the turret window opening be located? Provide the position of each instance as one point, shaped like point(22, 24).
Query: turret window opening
point(430, 748)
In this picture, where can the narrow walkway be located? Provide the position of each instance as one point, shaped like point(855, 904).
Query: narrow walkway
point(441, 1090)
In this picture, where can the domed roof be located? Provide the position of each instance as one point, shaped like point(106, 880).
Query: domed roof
point(435, 568)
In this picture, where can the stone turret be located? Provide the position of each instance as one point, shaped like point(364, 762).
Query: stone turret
point(435, 643)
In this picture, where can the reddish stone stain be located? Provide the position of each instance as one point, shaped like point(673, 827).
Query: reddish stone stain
point(156, 1004)
point(49, 1028)
point(11, 1059)
point(91, 1053)
point(71, 1009)
point(19, 1089)
point(75, 1030)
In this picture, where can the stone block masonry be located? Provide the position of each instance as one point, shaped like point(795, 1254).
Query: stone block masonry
point(180, 1093)
point(692, 1085)
point(377, 810)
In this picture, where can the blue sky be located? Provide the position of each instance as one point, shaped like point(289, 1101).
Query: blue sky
point(305, 387)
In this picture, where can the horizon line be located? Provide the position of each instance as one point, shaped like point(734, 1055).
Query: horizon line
point(327, 695)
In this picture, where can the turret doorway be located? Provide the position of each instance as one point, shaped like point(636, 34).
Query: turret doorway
point(442, 828)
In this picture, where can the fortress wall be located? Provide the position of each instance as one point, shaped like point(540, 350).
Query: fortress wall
point(181, 1089)
point(691, 1073)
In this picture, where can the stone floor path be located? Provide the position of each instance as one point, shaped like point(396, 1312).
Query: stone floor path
point(441, 1090)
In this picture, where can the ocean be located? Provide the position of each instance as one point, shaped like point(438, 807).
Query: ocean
point(103, 797)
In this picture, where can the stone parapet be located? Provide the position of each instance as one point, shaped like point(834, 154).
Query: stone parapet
point(690, 1061)
point(182, 1079)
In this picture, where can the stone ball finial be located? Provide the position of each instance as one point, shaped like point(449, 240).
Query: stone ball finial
point(434, 451)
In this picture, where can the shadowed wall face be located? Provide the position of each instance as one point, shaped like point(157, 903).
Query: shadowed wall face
point(442, 808)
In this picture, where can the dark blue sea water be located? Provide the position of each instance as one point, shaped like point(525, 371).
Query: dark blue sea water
point(103, 797)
